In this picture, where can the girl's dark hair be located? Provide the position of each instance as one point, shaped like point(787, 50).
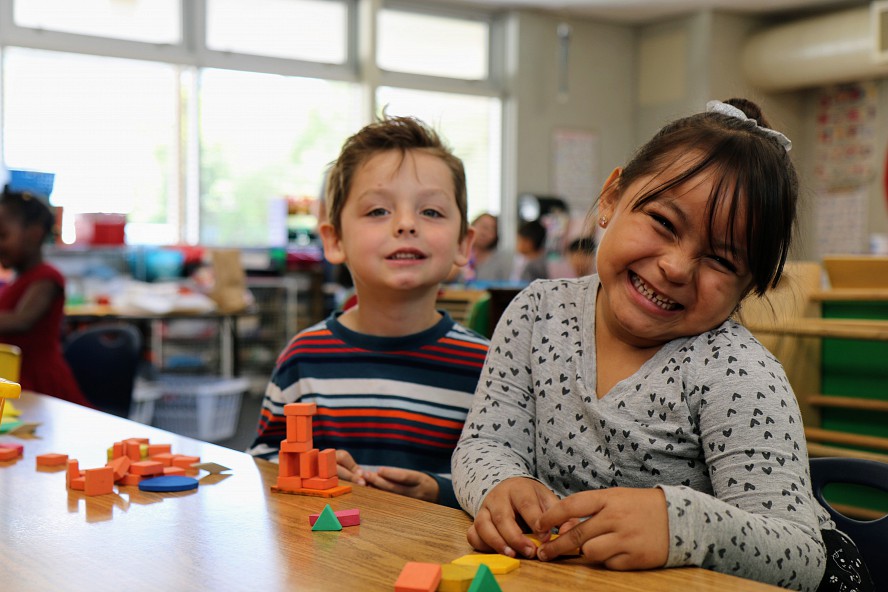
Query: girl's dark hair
point(495, 242)
point(754, 178)
point(28, 208)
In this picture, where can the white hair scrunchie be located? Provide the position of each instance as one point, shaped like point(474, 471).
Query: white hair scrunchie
point(731, 111)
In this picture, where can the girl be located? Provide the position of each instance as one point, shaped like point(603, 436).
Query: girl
point(486, 262)
point(629, 411)
point(32, 306)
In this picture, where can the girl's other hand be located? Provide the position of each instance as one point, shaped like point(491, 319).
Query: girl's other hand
point(624, 528)
point(496, 527)
point(347, 469)
point(415, 484)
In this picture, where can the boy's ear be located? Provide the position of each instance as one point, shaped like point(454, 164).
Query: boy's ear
point(610, 194)
point(465, 247)
point(333, 251)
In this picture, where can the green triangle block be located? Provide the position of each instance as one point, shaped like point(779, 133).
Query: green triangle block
point(327, 520)
point(484, 581)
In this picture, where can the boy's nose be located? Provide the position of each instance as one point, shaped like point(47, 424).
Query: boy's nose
point(406, 225)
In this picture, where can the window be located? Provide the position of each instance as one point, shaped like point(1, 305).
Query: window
point(417, 43)
point(310, 30)
point(151, 21)
point(106, 127)
point(265, 137)
point(470, 125)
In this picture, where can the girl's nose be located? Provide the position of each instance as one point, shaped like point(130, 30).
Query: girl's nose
point(677, 266)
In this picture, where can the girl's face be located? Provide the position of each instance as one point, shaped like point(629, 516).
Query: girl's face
point(12, 240)
point(661, 277)
point(485, 232)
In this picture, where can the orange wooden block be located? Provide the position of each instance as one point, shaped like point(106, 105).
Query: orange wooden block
point(333, 492)
point(140, 440)
point(119, 466)
point(184, 461)
point(298, 428)
point(99, 481)
point(78, 483)
point(73, 471)
point(173, 471)
point(308, 464)
point(155, 449)
point(164, 458)
point(419, 577)
point(9, 453)
point(133, 449)
point(287, 446)
point(117, 450)
point(289, 482)
point(300, 409)
point(146, 468)
point(318, 483)
point(289, 464)
point(130, 479)
point(327, 463)
point(51, 459)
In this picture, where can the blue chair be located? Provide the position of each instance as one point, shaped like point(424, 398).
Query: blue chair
point(871, 537)
point(105, 360)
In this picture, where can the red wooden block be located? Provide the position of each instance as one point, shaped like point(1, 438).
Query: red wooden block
point(184, 461)
point(9, 453)
point(327, 463)
point(78, 483)
point(419, 577)
point(318, 483)
point(130, 479)
point(300, 409)
point(51, 459)
point(346, 517)
point(165, 458)
point(155, 449)
point(289, 464)
point(119, 466)
point(146, 468)
point(289, 483)
point(17, 447)
point(298, 428)
point(99, 481)
point(173, 471)
point(308, 464)
point(287, 446)
point(73, 471)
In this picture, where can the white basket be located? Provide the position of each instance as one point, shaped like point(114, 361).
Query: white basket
point(145, 395)
point(202, 407)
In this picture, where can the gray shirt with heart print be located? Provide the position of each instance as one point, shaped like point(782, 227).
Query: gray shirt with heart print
point(711, 419)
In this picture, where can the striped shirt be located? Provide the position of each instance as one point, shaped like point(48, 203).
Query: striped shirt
point(388, 401)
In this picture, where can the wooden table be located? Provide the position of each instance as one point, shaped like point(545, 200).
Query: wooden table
point(233, 533)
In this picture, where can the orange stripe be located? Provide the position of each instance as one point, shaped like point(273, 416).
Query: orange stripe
point(368, 413)
point(468, 344)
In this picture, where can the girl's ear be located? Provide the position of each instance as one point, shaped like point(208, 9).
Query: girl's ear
point(333, 251)
point(610, 195)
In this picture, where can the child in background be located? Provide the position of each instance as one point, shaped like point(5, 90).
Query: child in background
point(581, 256)
point(629, 410)
point(392, 377)
point(32, 306)
point(486, 262)
point(531, 245)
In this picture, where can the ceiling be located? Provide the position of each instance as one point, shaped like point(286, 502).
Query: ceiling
point(642, 11)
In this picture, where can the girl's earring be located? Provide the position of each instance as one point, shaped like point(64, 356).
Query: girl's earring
point(602, 221)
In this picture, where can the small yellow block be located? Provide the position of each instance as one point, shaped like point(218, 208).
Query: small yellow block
point(456, 578)
point(552, 537)
point(9, 389)
point(498, 564)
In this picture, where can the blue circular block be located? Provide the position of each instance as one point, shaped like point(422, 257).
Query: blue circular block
point(168, 483)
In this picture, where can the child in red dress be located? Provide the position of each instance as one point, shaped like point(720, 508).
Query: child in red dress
point(32, 306)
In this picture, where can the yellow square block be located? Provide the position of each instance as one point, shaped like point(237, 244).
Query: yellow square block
point(498, 564)
point(456, 578)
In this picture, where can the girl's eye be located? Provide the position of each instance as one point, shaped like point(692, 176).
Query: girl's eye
point(725, 263)
point(662, 221)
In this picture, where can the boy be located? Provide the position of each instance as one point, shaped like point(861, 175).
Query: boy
point(392, 377)
point(531, 245)
point(581, 256)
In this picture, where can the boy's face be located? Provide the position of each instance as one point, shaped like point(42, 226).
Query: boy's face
point(400, 224)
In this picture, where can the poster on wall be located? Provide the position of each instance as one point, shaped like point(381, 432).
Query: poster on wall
point(575, 162)
point(841, 221)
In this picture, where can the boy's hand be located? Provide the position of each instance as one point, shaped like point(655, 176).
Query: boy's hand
point(348, 469)
point(496, 526)
point(407, 482)
point(626, 528)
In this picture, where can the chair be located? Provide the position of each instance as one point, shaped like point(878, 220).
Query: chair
point(869, 536)
point(104, 360)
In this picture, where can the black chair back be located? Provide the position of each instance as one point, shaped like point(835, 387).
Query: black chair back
point(105, 359)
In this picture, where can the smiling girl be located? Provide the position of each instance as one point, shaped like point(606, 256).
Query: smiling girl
point(628, 409)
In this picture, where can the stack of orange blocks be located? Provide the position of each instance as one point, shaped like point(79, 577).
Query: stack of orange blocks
point(304, 469)
point(130, 461)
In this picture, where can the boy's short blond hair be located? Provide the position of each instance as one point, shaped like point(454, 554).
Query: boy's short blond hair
point(389, 133)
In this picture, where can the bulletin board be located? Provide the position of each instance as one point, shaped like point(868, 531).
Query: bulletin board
point(575, 164)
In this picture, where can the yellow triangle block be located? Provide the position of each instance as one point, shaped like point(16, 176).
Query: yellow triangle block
point(498, 564)
point(456, 578)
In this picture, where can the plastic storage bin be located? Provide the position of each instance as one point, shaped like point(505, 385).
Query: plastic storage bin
point(145, 396)
point(202, 407)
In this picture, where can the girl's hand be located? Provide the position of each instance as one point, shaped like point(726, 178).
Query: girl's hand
point(626, 528)
point(407, 482)
point(347, 469)
point(496, 527)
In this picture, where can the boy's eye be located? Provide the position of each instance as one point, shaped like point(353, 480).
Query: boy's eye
point(432, 213)
point(375, 212)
